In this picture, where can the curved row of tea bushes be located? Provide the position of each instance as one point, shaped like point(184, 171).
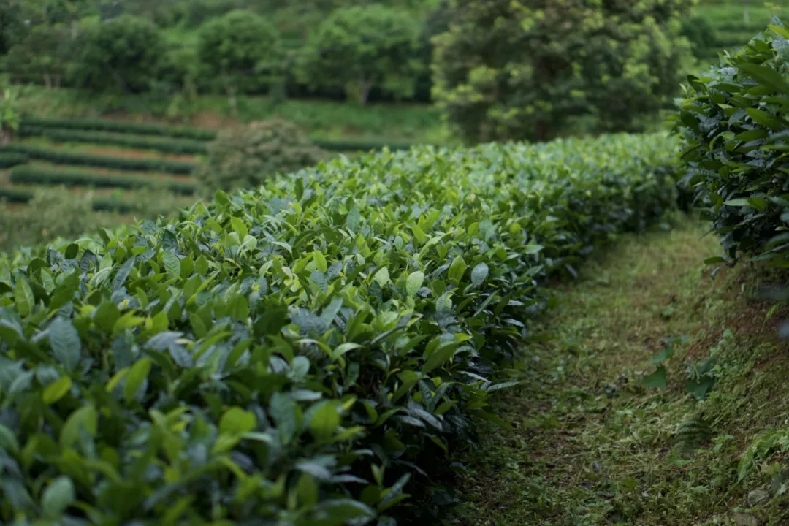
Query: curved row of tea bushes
point(71, 177)
point(171, 139)
point(74, 158)
point(304, 354)
point(9, 160)
point(143, 142)
point(735, 126)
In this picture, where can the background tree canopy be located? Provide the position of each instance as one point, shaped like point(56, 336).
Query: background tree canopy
point(524, 69)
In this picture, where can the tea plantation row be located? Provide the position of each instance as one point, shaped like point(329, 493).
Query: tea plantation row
point(308, 353)
point(736, 131)
point(162, 137)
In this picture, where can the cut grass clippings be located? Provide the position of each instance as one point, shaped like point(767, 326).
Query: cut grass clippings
point(591, 445)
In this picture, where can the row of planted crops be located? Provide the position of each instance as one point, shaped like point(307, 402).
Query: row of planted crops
point(306, 353)
point(130, 155)
point(312, 352)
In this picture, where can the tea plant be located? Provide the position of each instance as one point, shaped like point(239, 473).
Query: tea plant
point(310, 352)
point(734, 123)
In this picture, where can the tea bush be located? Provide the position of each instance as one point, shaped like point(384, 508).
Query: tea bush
point(245, 156)
point(734, 122)
point(309, 352)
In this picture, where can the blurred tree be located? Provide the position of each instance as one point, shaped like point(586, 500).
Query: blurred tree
point(124, 53)
point(523, 69)
point(45, 53)
point(241, 50)
point(362, 47)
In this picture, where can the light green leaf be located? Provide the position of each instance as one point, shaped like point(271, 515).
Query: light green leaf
point(56, 390)
point(414, 282)
point(236, 422)
point(382, 276)
point(325, 420)
point(23, 296)
point(58, 496)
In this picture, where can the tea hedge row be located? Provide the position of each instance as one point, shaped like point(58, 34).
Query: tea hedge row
point(56, 176)
point(308, 353)
point(174, 146)
point(99, 161)
point(135, 128)
point(17, 195)
point(9, 160)
point(63, 128)
point(734, 122)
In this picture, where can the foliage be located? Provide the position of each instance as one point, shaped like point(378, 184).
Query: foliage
point(733, 121)
point(304, 353)
point(158, 137)
point(116, 126)
point(45, 52)
point(525, 69)
point(56, 176)
point(141, 142)
point(11, 25)
point(100, 161)
point(240, 49)
point(9, 160)
point(9, 112)
point(244, 157)
point(124, 53)
point(358, 48)
point(700, 33)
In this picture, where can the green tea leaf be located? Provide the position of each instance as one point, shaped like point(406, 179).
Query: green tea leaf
point(236, 422)
point(480, 273)
point(325, 420)
point(65, 342)
point(136, 377)
point(58, 495)
point(23, 296)
point(414, 283)
point(56, 390)
point(382, 276)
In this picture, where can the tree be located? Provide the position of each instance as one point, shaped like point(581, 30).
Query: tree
point(122, 53)
point(359, 48)
point(44, 53)
point(12, 25)
point(524, 69)
point(241, 49)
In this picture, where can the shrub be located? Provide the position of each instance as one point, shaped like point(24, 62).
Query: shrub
point(733, 120)
point(244, 157)
point(528, 69)
point(306, 353)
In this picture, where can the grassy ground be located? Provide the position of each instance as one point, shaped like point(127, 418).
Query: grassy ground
point(592, 446)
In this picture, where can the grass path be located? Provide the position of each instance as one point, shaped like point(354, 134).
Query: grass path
point(591, 445)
